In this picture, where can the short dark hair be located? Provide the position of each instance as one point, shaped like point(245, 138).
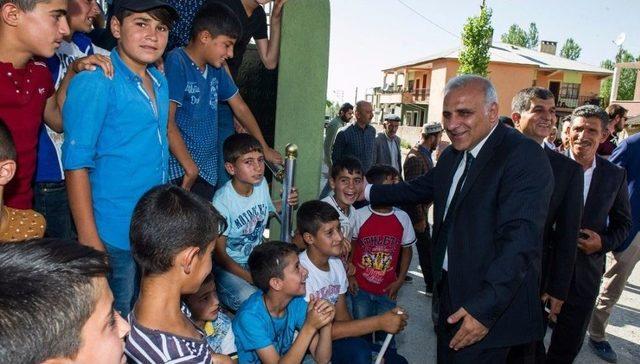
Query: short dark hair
point(48, 294)
point(268, 260)
point(24, 5)
point(522, 100)
point(167, 220)
point(160, 14)
point(349, 163)
point(614, 110)
point(239, 144)
point(507, 121)
point(345, 107)
point(217, 19)
point(7, 146)
point(377, 173)
point(591, 111)
point(312, 214)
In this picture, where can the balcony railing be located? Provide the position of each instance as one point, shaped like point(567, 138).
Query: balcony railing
point(572, 103)
point(421, 94)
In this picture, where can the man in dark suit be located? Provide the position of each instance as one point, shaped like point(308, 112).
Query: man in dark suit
point(606, 221)
point(491, 191)
point(533, 112)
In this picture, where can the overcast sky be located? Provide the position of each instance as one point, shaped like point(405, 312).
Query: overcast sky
point(369, 35)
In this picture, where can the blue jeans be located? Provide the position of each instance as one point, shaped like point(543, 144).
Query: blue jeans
point(52, 202)
point(366, 304)
point(232, 290)
point(124, 279)
point(351, 350)
point(225, 130)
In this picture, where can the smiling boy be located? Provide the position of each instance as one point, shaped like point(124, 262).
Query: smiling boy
point(116, 146)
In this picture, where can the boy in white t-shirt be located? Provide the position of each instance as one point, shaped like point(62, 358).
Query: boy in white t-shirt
point(319, 225)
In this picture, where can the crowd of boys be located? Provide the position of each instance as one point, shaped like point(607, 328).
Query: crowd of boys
point(125, 152)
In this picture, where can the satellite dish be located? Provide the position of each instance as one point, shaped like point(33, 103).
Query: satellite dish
point(620, 39)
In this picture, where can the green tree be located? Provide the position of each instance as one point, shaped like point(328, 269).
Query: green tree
point(532, 36)
point(627, 83)
point(519, 37)
point(476, 42)
point(570, 49)
point(515, 35)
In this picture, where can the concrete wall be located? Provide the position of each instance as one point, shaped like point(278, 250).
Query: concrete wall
point(302, 90)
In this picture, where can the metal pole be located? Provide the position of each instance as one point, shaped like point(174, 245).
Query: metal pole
point(291, 154)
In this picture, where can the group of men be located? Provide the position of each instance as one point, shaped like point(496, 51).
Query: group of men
point(520, 229)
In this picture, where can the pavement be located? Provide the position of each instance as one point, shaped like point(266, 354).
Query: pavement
point(418, 341)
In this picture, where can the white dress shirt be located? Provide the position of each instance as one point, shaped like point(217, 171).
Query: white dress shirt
point(588, 175)
point(456, 177)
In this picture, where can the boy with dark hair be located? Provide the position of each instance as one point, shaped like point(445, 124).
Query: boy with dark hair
point(197, 82)
point(245, 203)
point(28, 29)
point(346, 182)
point(15, 224)
point(115, 145)
point(172, 236)
point(382, 240)
point(319, 224)
point(50, 191)
point(266, 323)
point(206, 313)
point(56, 305)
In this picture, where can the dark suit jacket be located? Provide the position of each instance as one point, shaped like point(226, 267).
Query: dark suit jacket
point(382, 152)
point(627, 156)
point(562, 226)
point(495, 242)
point(607, 199)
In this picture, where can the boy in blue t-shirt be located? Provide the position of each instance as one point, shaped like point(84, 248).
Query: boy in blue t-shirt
point(197, 82)
point(266, 323)
point(245, 203)
point(115, 146)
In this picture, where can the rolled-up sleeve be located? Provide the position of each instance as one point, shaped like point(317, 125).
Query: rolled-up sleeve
point(83, 114)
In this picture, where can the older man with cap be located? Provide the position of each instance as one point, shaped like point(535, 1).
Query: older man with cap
point(418, 162)
point(387, 144)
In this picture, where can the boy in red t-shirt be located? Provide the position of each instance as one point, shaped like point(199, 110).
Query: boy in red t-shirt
point(31, 29)
point(382, 241)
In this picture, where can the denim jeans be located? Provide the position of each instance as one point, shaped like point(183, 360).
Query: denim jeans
point(124, 279)
point(366, 304)
point(225, 130)
point(52, 202)
point(232, 290)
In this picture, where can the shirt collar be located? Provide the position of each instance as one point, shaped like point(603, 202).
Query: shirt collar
point(121, 68)
point(593, 164)
point(474, 152)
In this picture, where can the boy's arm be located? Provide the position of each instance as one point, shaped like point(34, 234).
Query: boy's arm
point(179, 150)
point(296, 353)
point(225, 261)
point(245, 117)
point(345, 326)
point(320, 346)
point(405, 259)
point(53, 108)
point(269, 49)
point(81, 204)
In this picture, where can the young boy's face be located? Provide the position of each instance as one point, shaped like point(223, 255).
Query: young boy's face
point(294, 276)
point(346, 186)
point(102, 336)
point(328, 239)
point(218, 49)
point(391, 180)
point(204, 304)
point(248, 168)
point(42, 29)
point(141, 38)
point(82, 14)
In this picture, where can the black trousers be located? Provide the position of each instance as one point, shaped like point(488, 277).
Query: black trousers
point(446, 331)
point(423, 246)
point(569, 332)
point(531, 353)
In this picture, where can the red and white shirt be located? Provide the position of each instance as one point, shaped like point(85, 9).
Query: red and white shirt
point(378, 239)
point(23, 96)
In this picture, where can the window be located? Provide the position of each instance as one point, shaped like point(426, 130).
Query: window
point(570, 91)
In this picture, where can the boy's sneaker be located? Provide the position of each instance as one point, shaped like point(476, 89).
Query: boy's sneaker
point(603, 350)
point(408, 279)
